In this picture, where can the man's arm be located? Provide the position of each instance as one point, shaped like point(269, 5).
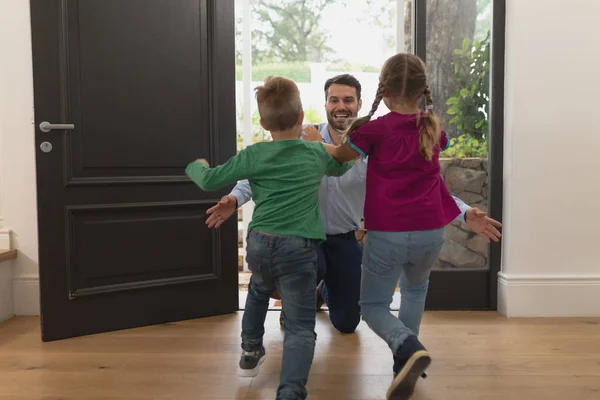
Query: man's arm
point(463, 209)
point(478, 221)
point(225, 208)
point(242, 192)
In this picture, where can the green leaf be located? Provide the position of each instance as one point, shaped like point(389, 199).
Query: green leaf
point(465, 44)
point(471, 74)
point(453, 110)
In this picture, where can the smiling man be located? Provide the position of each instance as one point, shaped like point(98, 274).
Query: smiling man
point(341, 202)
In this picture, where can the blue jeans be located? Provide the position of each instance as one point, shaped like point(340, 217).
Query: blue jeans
point(339, 259)
point(389, 257)
point(288, 263)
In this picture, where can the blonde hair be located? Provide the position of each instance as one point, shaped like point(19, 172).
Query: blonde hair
point(403, 75)
point(279, 104)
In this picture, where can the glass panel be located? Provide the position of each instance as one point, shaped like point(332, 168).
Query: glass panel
point(310, 41)
point(458, 64)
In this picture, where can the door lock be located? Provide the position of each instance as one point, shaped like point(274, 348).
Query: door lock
point(46, 147)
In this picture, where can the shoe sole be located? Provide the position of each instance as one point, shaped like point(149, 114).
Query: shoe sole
point(251, 373)
point(403, 385)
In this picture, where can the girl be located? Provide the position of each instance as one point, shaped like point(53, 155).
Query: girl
point(407, 207)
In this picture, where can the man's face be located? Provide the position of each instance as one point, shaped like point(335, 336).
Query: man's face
point(342, 104)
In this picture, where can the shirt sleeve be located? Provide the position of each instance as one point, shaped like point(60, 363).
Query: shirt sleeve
point(363, 139)
point(211, 179)
point(463, 209)
point(242, 192)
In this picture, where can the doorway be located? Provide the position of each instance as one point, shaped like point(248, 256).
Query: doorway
point(462, 42)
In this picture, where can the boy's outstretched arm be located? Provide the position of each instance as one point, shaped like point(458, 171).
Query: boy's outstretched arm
point(336, 168)
point(210, 179)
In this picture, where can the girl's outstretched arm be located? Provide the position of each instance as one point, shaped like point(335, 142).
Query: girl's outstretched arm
point(342, 153)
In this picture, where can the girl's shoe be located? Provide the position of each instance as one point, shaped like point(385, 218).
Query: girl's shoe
point(410, 362)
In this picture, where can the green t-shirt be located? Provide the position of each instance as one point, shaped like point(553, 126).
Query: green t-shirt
point(284, 176)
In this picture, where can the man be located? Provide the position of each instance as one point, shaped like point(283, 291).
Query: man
point(341, 202)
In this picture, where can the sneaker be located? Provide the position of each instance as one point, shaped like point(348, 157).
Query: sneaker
point(410, 362)
point(397, 362)
point(250, 361)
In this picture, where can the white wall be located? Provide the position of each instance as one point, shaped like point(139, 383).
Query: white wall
point(551, 264)
point(1, 177)
point(6, 268)
point(18, 151)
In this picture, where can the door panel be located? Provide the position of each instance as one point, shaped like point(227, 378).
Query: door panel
point(152, 77)
point(149, 87)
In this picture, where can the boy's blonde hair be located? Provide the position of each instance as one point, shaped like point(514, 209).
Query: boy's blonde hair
point(279, 104)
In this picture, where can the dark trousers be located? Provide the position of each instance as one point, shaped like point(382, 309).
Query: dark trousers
point(339, 264)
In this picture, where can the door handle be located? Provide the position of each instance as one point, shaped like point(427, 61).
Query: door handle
point(47, 127)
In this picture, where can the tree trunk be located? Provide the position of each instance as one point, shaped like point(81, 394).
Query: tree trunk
point(448, 23)
point(408, 26)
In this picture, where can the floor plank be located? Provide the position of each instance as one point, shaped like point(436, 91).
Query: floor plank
point(475, 356)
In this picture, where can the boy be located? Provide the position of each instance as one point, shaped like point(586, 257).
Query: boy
point(286, 227)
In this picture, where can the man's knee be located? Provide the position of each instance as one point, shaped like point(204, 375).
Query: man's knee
point(345, 323)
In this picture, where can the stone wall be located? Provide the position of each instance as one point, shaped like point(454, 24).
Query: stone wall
point(467, 179)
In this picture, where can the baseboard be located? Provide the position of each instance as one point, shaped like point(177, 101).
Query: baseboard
point(27, 295)
point(549, 296)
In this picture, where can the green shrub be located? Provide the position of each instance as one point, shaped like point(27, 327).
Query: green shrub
point(466, 146)
point(470, 105)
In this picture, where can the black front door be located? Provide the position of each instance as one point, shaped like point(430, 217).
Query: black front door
point(148, 85)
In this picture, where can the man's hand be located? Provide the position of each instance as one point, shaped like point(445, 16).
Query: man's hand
point(480, 223)
point(311, 134)
point(221, 212)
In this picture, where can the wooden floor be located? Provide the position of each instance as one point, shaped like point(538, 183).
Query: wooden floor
point(476, 356)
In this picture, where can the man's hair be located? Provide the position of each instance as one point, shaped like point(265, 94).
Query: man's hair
point(344, 79)
point(279, 104)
